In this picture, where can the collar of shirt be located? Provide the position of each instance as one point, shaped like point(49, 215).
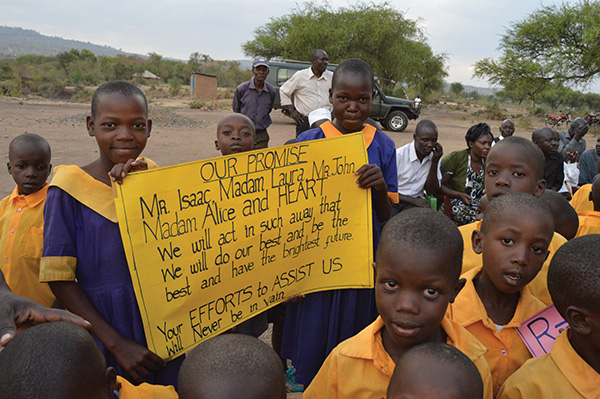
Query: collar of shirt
point(32, 199)
point(253, 86)
point(368, 344)
point(464, 314)
point(580, 374)
point(324, 75)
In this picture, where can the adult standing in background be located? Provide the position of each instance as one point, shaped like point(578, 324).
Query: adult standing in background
point(571, 140)
point(310, 88)
point(588, 164)
point(255, 98)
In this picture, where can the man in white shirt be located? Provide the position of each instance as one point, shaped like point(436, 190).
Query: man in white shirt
point(416, 164)
point(310, 88)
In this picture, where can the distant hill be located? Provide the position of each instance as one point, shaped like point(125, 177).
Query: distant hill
point(15, 42)
point(482, 91)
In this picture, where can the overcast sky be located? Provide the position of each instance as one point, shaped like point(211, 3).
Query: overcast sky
point(466, 30)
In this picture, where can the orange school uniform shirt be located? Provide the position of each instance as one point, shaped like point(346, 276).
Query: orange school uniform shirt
point(360, 367)
point(21, 240)
point(538, 286)
point(581, 199)
point(506, 351)
point(560, 374)
point(144, 391)
point(589, 223)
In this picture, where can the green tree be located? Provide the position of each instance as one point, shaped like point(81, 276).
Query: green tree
point(457, 88)
point(557, 43)
point(393, 45)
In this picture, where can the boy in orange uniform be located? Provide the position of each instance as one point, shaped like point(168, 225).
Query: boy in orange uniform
point(513, 240)
point(572, 368)
point(61, 360)
point(22, 218)
point(514, 165)
point(415, 280)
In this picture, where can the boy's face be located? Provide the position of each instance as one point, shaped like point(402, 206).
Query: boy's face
point(234, 135)
point(514, 250)
point(412, 291)
point(548, 141)
point(507, 129)
point(425, 140)
point(260, 73)
point(29, 166)
point(509, 170)
point(351, 99)
point(121, 127)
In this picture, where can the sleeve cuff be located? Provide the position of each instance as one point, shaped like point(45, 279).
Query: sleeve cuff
point(58, 268)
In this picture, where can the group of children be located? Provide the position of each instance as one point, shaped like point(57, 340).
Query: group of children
point(441, 321)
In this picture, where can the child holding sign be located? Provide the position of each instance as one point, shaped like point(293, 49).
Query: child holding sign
point(83, 258)
point(415, 280)
point(572, 368)
point(513, 239)
point(324, 319)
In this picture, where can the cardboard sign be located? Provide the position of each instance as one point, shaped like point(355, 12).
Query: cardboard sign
point(212, 243)
point(541, 330)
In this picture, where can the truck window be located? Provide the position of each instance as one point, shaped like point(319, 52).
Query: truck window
point(283, 74)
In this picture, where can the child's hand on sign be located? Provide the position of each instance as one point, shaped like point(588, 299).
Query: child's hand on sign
point(294, 300)
point(370, 176)
point(120, 170)
point(138, 361)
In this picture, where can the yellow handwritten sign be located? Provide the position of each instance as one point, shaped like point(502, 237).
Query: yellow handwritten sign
point(212, 243)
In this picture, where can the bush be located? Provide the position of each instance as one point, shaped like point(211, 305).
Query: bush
point(174, 86)
point(197, 104)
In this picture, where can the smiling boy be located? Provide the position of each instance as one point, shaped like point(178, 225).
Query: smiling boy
point(416, 278)
point(22, 219)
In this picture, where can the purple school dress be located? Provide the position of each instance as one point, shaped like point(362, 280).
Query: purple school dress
point(72, 230)
point(314, 327)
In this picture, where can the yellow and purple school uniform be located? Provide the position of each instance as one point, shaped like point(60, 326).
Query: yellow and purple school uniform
point(125, 390)
point(589, 223)
point(581, 199)
point(21, 239)
point(82, 243)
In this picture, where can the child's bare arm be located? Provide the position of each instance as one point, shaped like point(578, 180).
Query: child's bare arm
point(371, 176)
point(138, 361)
point(120, 170)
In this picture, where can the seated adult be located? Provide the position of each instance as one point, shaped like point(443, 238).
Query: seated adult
point(588, 164)
point(417, 161)
point(463, 173)
point(572, 141)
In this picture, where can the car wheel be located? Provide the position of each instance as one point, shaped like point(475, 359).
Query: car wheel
point(396, 121)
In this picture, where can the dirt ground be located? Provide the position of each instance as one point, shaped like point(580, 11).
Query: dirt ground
point(181, 134)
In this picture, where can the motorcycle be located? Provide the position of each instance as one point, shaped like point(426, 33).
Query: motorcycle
point(557, 120)
point(592, 119)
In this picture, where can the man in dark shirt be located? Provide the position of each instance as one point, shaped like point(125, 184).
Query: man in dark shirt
point(255, 98)
point(547, 139)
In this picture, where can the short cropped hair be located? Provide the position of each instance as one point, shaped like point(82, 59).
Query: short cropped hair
point(231, 360)
point(507, 204)
point(425, 229)
point(353, 66)
point(315, 53)
point(425, 124)
point(50, 360)
point(466, 376)
point(533, 155)
point(566, 221)
point(30, 140)
point(574, 274)
point(537, 133)
point(477, 131)
point(118, 86)
point(236, 115)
